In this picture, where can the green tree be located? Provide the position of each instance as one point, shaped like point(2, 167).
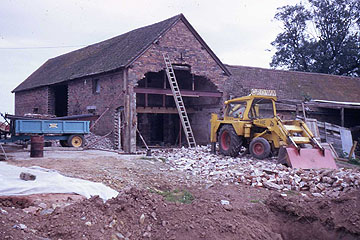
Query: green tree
point(319, 36)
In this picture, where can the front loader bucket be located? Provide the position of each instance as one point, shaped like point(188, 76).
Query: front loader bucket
point(308, 158)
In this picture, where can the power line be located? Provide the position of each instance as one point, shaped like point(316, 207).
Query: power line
point(47, 47)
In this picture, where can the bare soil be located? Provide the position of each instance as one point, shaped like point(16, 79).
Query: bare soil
point(143, 211)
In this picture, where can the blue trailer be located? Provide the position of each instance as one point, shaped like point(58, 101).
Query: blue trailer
point(69, 132)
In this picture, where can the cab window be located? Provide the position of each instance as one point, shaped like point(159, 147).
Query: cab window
point(261, 108)
point(236, 109)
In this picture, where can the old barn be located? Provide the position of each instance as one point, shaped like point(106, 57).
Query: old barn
point(123, 79)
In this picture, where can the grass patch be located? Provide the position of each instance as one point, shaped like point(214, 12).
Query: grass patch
point(354, 161)
point(162, 159)
point(147, 158)
point(176, 195)
point(255, 201)
point(153, 159)
point(290, 192)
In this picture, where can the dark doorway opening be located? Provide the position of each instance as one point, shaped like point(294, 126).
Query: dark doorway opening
point(160, 129)
point(158, 118)
point(61, 100)
point(157, 128)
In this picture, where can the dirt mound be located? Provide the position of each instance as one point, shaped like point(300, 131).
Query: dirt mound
point(136, 214)
point(14, 201)
point(317, 218)
point(220, 212)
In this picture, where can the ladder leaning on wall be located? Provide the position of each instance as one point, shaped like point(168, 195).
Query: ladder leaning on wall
point(179, 101)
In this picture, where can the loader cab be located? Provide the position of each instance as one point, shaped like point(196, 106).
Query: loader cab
point(235, 110)
point(262, 107)
point(250, 108)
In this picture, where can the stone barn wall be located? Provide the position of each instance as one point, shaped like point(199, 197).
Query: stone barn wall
point(30, 100)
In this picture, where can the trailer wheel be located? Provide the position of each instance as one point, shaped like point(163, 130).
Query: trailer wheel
point(75, 141)
point(260, 148)
point(229, 142)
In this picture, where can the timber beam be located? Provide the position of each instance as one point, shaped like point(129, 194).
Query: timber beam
point(184, 93)
point(164, 110)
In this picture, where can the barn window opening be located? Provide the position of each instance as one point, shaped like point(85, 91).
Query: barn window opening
point(96, 86)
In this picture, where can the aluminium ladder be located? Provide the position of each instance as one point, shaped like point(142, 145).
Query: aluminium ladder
point(179, 101)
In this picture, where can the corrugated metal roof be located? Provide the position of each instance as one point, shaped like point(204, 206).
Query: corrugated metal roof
point(336, 102)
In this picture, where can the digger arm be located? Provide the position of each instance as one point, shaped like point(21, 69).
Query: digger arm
point(274, 131)
point(311, 136)
point(214, 127)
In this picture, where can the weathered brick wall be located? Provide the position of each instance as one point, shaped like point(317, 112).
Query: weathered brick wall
point(81, 96)
point(183, 48)
point(26, 101)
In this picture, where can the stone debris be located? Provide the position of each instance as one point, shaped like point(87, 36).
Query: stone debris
point(119, 235)
point(259, 173)
point(3, 211)
point(142, 219)
point(42, 205)
point(272, 186)
point(47, 211)
point(93, 141)
point(153, 215)
point(27, 176)
point(20, 226)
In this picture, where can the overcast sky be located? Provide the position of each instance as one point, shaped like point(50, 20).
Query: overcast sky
point(32, 31)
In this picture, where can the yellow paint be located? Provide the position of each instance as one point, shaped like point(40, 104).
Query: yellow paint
point(276, 131)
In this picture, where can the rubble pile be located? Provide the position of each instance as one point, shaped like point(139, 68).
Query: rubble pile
point(94, 141)
point(260, 173)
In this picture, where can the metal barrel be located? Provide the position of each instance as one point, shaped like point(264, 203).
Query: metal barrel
point(37, 146)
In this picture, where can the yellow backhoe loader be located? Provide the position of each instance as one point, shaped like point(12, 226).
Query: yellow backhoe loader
point(252, 122)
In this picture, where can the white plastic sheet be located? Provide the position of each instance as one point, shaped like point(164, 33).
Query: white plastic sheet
point(48, 181)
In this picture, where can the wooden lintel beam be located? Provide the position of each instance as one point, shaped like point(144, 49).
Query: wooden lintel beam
point(186, 93)
point(161, 110)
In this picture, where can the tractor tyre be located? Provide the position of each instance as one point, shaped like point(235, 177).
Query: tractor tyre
point(76, 141)
point(229, 142)
point(260, 148)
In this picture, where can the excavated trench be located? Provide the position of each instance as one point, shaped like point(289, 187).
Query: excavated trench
point(317, 218)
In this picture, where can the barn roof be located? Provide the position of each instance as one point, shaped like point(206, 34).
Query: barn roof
point(294, 85)
point(105, 56)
